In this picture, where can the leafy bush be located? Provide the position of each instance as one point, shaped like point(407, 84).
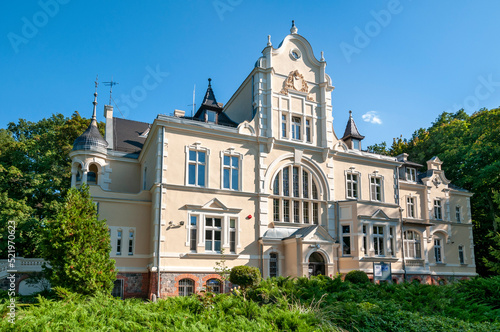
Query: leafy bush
point(245, 276)
point(357, 277)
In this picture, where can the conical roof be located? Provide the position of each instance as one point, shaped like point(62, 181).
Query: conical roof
point(351, 131)
point(91, 139)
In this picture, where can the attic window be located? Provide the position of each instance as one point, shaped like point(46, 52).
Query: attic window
point(211, 117)
point(411, 174)
point(356, 144)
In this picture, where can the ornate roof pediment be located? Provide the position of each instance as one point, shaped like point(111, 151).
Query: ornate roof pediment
point(295, 81)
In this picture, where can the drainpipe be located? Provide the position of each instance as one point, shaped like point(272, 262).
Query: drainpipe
point(159, 211)
point(337, 225)
point(402, 243)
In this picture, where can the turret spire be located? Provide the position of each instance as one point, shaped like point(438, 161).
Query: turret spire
point(293, 29)
point(94, 114)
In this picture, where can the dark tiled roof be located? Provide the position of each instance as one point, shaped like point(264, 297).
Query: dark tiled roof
point(210, 104)
point(411, 163)
point(351, 131)
point(127, 135)
point(91, 139)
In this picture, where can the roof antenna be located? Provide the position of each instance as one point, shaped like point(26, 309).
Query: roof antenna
point(193, 104)
point(110, 84)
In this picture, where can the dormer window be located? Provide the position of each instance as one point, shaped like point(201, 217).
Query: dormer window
point(356, 144)
point(411, 174)
point(211, 116)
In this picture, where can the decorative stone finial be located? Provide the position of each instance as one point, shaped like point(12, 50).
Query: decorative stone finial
point(322, 56)
point(293, 29)
point(209, 83)
point(269, 40)
point(350, 113)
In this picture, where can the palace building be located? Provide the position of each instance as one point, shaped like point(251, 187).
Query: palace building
point(264, 180)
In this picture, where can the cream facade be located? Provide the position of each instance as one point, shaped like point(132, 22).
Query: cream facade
point(265, 181)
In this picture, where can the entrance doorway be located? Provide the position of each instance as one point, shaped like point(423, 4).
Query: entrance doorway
point(316, 264)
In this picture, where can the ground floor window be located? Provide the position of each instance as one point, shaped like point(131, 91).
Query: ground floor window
point(213, 286)
point(186, 287)
point(117, 288)
point(273, 265)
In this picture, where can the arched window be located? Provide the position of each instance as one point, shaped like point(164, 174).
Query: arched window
point(412, 244)
point(186, 287)
point(213, 286)
point(79, 173)
point(92, 174)
point(295, 196)
point(273, 264)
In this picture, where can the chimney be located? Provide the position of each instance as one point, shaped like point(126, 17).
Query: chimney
point(179, 113)
point(108, 114)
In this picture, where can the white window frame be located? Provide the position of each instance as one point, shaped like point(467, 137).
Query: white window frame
point(375, 185)
point(414, 244)
point(214, 229)
point(392, 240)
point(232, 230)
point(193, 285)
point(198, 148)
point(353, 182)
point(131, 242)
point(296, 125)
point(411, 207)
point(284, 125)
point(124, 240)
point(119, 242)
point(378, 240)
point(284, 207)
point(364, 244)
point(461, 258)
point(437, 209)
point(411, 174)
point(458, 213)
point(190, 227)
point(438, 248)
point(277, 261)
point(308, 135)
point(231, 153)
point(346, 235)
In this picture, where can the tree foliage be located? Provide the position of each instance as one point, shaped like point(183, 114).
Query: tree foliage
point(469, 147)
point(35, 173)
point(357, 277)
point(77, 246)
point(245, 276)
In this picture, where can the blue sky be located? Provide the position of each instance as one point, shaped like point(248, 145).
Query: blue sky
point(395, 64)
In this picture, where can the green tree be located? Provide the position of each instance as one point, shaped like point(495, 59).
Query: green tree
point(245, 276)
point(77, 246)
point(35, 173)
point(469, 147)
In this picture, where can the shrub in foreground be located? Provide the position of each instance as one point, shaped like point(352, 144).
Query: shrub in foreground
point(357, 277)
point(245, 276)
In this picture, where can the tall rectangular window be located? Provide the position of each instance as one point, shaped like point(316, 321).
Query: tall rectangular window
point(131, 242)
point(315, 213)
point(231, 172)
point(296, 212)
point(286, 210)
point(437, 250)
point(286, 181)
point(438, 213)
point(276, 209)
point(378, 240)
point(193, 231)
point(365, 244)
point(392, 241)
point(196, 168)
point(283, 126)
point(458, 215)
point(295, 181)
point(461, 256)
point(305, 212)
point(144, 182)
point(296, 123)
point(213, 232)
point(352, 185)
point(346, 240)
point(411, 174)
point(308, 131)
point(410, 207)
point(376, 189)
point(232, 235)
point(273, 265)
point(305, 184)
point(119, 242)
